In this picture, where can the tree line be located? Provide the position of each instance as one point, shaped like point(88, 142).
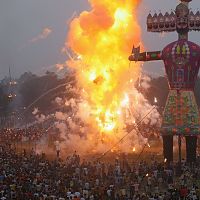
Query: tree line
point(17, 95)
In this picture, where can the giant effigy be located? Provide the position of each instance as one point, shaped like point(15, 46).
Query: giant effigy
point(182, 60)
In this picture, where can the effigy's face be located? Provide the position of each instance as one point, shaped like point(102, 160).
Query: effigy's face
point(182, 23)
point(182, 12)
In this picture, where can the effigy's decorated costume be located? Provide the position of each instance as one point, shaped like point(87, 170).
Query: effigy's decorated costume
point(182, 61)
point(181, 114)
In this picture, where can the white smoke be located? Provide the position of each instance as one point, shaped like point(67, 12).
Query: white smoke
point(40, 117)
point(60, 116)
point(35, 111)
point(43, 35)
point(59, 101)
point(76, 133)
point(145, 82)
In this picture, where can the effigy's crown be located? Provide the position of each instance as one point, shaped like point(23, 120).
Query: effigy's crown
point(182, 10)
point(186, 2)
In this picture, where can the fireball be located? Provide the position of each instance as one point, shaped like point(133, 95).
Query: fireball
point(101, 40)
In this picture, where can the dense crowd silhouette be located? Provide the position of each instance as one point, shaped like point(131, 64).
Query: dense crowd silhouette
point(32, 176)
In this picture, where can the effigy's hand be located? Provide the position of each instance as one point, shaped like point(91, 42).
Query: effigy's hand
point(135, 54)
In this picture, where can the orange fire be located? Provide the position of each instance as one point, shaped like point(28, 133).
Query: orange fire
point(102, 40)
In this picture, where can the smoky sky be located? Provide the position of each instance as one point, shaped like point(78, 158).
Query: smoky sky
point(23, 47)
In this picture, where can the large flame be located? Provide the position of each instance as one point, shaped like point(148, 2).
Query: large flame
point(102, 40)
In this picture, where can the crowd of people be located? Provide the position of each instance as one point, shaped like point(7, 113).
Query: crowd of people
point(31, 133)
point(32, 176)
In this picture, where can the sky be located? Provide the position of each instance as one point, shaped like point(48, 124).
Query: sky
point(33, 33)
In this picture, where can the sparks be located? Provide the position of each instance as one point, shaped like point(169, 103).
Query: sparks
point(125, 101)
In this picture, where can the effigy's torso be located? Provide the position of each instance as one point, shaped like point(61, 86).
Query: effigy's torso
point(181, 114)
point(182, 61)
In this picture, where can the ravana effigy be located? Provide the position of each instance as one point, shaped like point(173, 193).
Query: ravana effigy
point(182, 60)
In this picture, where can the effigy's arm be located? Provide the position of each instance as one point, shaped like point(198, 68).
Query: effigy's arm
point(144, 56)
